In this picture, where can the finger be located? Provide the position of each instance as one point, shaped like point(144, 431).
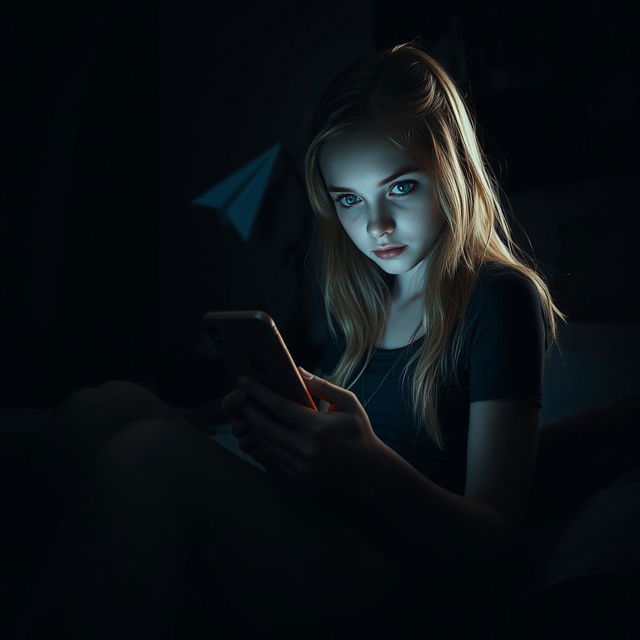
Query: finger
point(249, 445)
point(289, 462)
point(275, 432)
point(274, 468)
point(233, 402)
point(291, 412)
point(239, 428)
point(209, 412)
point(338, 398)
point(248, 440)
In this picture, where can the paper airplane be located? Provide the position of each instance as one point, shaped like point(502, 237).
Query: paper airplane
point(238, 197)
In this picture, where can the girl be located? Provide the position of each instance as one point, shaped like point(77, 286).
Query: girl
point(403, 479)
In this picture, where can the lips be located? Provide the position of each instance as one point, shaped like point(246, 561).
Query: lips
point(388, 247)
point(390, 254)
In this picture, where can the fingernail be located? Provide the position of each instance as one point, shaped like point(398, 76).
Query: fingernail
point(306, 374)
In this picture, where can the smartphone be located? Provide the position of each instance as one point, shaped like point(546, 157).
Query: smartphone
point(251, 345)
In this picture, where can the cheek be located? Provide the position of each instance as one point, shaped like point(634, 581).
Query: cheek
point(433, 218)
point(357, 237)
point(349, 228)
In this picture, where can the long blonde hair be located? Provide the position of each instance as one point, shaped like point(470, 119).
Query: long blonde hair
point(416, 105)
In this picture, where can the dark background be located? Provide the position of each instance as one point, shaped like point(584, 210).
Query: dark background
point(116, 115)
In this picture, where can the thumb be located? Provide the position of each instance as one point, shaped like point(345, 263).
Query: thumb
point(337, 397)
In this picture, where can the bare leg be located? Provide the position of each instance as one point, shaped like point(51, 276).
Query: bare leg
point(158, 489)
point(85, 421)
point(69, 442)
point(117, 568)
point(65, 448)
point(161, 489)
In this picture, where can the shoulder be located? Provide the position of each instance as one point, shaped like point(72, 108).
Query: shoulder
point(505, 298)
point(494, 275)
point(506, 337)
point(500, 285)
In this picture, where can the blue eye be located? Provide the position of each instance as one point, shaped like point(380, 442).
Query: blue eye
point(338, 198)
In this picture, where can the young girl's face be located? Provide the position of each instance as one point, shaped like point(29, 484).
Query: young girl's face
point(381, 198)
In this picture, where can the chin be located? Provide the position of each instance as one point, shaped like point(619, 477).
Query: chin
point(394, 269)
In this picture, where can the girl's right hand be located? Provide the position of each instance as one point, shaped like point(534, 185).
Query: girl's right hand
point(232, 406)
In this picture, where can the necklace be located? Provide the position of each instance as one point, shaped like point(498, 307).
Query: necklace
point(364, 383)
point(364, 390)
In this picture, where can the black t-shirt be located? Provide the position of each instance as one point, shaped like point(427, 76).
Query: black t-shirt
point(504, 345)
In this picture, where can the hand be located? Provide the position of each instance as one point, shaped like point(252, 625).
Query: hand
point(207, 414)
point(319, 450)
point(232, 405)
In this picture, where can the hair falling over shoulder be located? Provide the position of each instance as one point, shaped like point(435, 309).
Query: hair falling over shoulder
point(408, 96)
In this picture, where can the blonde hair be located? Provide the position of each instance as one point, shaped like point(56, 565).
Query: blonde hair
point(408, 96)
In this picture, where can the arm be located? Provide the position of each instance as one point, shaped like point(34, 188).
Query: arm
point(423, 516)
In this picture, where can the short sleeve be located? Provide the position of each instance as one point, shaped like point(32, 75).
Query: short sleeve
point(508, 338)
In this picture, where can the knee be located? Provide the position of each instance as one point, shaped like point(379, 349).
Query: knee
point(114, 401)
point(88, 417)
point(139, 437)
point(150, 463)
point(80, 405)
point(80, 396)
point(121, 386)
point(89, 396)
point(149, 448)
point(120, 389)
point(74, 408)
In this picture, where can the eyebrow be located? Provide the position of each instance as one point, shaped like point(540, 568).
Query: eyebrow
point(393, 176)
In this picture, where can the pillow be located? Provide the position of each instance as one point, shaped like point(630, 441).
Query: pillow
point(579, 454)
point(594, 364)
point(602, 536)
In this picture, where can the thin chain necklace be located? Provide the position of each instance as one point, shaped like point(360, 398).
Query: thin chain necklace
point(364, 389)
point(364, 379)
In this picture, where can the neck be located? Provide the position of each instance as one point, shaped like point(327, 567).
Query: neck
point(400, 302)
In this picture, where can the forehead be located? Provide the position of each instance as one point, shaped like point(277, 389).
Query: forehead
point(362, 155)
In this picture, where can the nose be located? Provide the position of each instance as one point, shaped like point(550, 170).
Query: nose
point(380, 222)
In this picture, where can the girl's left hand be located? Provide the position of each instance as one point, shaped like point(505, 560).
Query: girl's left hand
point(321, 451)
